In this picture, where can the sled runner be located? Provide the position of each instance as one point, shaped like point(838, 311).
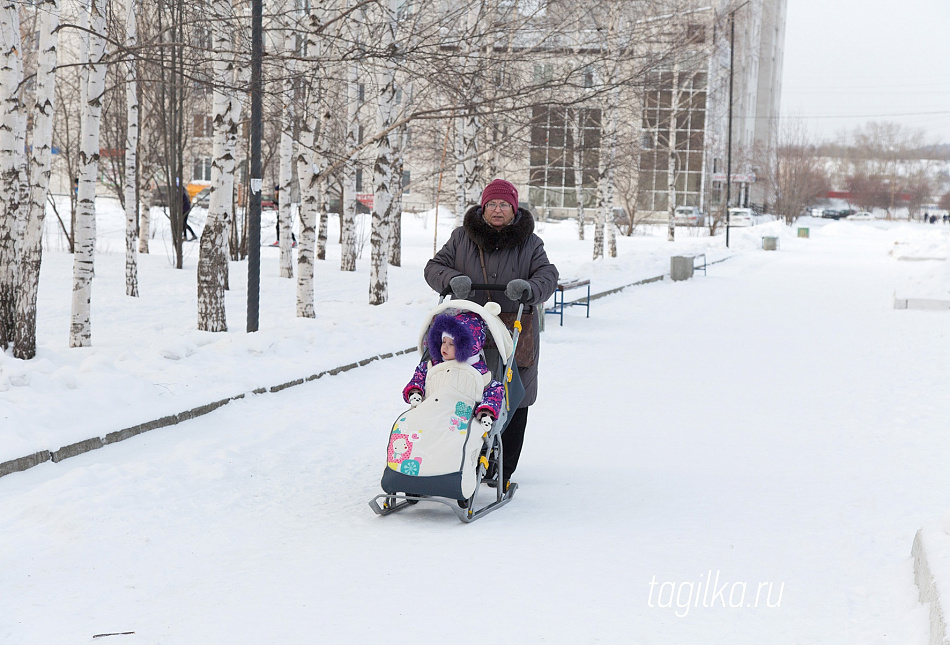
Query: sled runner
point(438, 452)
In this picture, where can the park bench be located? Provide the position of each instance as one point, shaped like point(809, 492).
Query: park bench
point(560, 303)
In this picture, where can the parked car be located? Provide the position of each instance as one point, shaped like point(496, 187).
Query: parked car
point(831, 213)
point(267, 203)
point(203, 198)
point(862, 215)
point(741, 217)
point(688, 216)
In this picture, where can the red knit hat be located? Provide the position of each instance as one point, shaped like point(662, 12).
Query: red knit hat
point(501, 189)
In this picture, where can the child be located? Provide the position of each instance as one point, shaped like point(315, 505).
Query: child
point(459, 338)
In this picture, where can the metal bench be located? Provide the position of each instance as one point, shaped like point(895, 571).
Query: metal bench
point(560, 303)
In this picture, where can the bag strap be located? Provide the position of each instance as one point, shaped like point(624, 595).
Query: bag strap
point(481, 258)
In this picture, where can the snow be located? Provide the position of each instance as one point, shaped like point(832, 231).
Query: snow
point(775, 427)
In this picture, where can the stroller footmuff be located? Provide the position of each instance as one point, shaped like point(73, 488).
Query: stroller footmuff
point(438, 451)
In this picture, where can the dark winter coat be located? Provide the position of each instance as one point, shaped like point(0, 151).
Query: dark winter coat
point(513, 252)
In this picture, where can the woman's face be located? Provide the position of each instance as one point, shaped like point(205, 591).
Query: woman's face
point(498, 213)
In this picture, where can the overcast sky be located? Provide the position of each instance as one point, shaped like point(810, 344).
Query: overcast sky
point(864, 60)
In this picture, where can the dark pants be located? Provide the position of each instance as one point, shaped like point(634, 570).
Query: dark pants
point(185, 229)
point(512, 439)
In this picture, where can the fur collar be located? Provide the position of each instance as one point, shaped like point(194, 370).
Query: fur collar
point(488, 239)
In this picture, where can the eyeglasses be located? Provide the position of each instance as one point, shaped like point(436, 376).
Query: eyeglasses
point(502, 206)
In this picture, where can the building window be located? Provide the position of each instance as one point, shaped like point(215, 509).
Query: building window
point(696, 33)
point(543, 73)
point(588, 77)
point(405, 182)
point(201, 171)
point(660, 108)
point(204, 126)
point(359, 180)
point(565, 146)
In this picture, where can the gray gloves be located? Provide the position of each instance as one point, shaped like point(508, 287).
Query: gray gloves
point(518, 290)
point(461, 286)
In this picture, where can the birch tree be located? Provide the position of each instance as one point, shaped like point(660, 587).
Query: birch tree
point(605, 184)
point(311, 164)
point(286, 159)
point(213, 254)
point(13, 171)
point(31, 249)
point(94, 73)
point(395, 231)
point(468, 124)
point(608, 155)
point(131, 154)
point(671, 156)
point(383, 168)
point(348, 228)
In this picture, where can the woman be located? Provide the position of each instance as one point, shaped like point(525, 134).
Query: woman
point(496, 244)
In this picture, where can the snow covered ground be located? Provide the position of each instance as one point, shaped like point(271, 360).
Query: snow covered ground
point(744, 457)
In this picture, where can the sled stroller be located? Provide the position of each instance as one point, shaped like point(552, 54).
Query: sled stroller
point(432, 461)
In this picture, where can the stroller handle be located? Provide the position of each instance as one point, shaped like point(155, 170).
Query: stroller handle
point(477, 287)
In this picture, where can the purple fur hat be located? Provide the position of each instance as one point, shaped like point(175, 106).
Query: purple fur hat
point(465, 328)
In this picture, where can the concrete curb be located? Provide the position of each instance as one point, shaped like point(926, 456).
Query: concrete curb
point(87, 445)
point(81, 447)
point(927, 590)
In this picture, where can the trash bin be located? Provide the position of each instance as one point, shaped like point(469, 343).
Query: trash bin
point(681, 267)
point(802, 232)
point(770, 243)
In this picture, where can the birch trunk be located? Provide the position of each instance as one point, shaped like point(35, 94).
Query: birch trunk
point(459, 173)
point(326, 121)
point(348, 228)
point(608, 153)
point(13, 172)
point(468, 125)
point(383, 168)
point(611, 171)
point(575, 121)
point(309, 204)
point(94, 73)
point(31, 251)
point(131, 156)
point(286, 164)
point(310, 167)
point(671, 158)
point(395, 231)
point(145, 223)
point(213, 252)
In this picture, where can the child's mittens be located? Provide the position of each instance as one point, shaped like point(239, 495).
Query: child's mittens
point(486, 420)
point(415, 398)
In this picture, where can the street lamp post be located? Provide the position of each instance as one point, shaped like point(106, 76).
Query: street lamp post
point(254, 216)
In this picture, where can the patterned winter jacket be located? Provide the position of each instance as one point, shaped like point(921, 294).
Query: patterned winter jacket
point(492, 396)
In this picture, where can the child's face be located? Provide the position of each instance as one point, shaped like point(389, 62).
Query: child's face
point(448, 349)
